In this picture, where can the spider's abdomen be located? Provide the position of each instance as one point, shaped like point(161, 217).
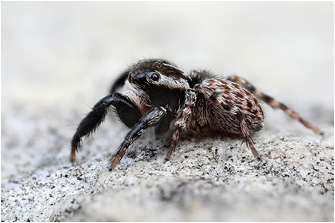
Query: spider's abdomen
point(221, 102)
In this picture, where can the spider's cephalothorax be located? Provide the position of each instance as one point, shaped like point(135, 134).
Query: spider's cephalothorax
point(158, 94)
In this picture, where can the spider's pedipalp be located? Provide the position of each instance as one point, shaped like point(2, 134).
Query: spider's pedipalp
point(272, 102)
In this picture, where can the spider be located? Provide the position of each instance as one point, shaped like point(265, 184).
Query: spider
point(156, 93)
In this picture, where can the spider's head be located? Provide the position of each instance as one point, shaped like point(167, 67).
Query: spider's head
point(162, 81)
point(156, 73)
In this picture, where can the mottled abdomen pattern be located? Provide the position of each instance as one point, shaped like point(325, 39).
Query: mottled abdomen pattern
point(222, 104)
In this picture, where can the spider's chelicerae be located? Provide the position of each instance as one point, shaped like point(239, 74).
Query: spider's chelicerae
point(158, 94)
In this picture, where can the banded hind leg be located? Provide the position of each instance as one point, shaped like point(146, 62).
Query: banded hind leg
point(272, 102)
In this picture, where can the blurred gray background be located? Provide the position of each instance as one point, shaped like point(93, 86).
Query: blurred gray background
point(64, 49)
point(60, 58)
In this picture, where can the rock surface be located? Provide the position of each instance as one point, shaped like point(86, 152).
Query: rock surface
point(45, 93)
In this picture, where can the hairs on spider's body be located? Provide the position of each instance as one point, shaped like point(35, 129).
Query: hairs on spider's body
point(156, 93)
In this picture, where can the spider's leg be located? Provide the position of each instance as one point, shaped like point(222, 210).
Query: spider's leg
point(183, 120)
point(149, 119)
point(97, 115)
point(119, 82)
point(272, 102)
point(246, 135)
point(243, 126)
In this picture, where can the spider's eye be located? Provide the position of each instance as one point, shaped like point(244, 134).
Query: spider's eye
point(154, 77)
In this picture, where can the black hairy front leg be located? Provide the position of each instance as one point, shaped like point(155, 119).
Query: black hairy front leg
point(149, 119)
point(98, 114)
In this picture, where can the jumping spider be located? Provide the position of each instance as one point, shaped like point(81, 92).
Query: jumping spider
point(157, 93)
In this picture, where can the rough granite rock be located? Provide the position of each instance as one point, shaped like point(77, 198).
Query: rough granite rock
point(56, 63)
point(214, 178)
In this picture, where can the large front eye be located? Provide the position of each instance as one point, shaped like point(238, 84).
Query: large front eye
point(154, 76)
